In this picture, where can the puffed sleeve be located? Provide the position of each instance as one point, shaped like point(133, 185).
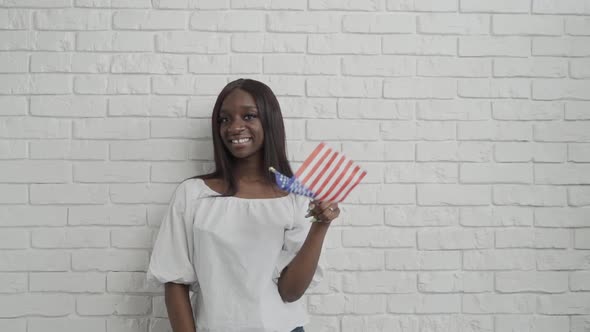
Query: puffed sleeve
point(293, 240)
point(172, 256)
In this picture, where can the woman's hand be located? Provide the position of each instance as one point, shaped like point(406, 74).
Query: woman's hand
point(323, 211)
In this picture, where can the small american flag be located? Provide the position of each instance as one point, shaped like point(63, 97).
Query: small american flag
point(327, 174)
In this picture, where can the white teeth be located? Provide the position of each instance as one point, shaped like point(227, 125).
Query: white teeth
point(240, 141)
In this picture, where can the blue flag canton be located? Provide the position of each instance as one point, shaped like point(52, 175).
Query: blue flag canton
point(292, 185)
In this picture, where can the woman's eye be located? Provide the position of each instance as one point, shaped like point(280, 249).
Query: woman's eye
point(250, 116)
point(221, 120)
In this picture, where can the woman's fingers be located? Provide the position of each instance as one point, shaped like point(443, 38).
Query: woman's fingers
point(324, 211)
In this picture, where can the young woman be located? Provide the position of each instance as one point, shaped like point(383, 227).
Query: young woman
point(243, 246)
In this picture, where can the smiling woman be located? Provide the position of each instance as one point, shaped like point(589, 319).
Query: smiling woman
point(233, 236)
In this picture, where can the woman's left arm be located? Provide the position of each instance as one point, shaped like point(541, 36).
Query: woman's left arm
point(296, 277)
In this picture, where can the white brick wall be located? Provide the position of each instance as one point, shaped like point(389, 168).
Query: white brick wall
point(472, 116)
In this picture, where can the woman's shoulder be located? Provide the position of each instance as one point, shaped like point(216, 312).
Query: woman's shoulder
point(192, 187)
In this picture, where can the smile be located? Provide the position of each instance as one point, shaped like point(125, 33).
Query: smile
point(241, 140)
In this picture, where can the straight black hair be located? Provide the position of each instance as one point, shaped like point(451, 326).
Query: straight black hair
point(274, 145)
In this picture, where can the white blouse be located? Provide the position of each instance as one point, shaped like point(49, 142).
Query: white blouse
point(231, 251)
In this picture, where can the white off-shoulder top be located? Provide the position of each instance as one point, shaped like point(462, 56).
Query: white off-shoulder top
point(231, 251)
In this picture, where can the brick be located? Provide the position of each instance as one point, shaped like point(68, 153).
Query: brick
point(577, 26)
point(562, 132)
point(384, 194)
point(150, 20)
point(453, 194)
point(129, 282)
point(507, 323)
point(579, 323)
point(421, 216)
point(177, 172)
point(10, 149)
point(562, 46)
point(564, 304)
point(535, 67)
point(423, 5)
point(187, 85)
point(496, 216)
point(420, 88)
point(269, 4)
point(68, 106)
point(32, 216)
point(562, 174)
point(116, 3)
point(419, 45)
point(113, 215)
point(14, 239)
point(533, 195)
point(505, 259)
point(245, 64)
point(375, 109)
point(421, 173)
point(570, 89)
point(111, 304)
point(526, 110)
point(499, 303)
point(344, 87)
point(208, 64)
point(35, 84)
point(579, 152)
point(495, 131)
point(420, 304)
point(90, 63)
point(295, 107)
point(579, 68)
point(495, 6)
point(93, 172)
point(109, 260)
point(70, 238)
point(412, 259)
point(309, 22)
point(238, 21)
point(66, 324)
point(15, 19)
point(296, 64)
point(454, 67)
point(454, 151)
point(68, 194)
point(453, 239)
point(453, 110)
point(135, 238)
point(51, 62)
point(562, 260)
point(575, 110)
point(111, 129)
point(121, 41)
point(14, 62)
point(268, 43)
point(579, 281)
point(582, 238)
point(202, 151)
point(180, 128)
point(141, 193)
point(52, 41)
point(149, 64)
point(381, 23)
point(579, 196)
point(527, 25)
point(72, 19)
point(65, 149)
point(378, 66)
point(545, 282)
point(524, 152)
point(126, 84)
point(127, 324)
point(494, 46)
point(34, 260)
point(37, 4)
point(13, 283)
point(496, 173)
point(561, 217)
point(143, 150)
point(378, 238)
point(495, 88)
point(454, 282)
point(49, 305)
point(563, 7)
point(344, 44)
point(370, 5)
point(377, 151)
point(15, 40)
point(67, 282)
point(352, 260)
point(12, 105)
point(455, 24)
point(28, 172)
point(14, 194)
point(425, 130)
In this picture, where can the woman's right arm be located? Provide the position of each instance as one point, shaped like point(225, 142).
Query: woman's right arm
point(179, 307)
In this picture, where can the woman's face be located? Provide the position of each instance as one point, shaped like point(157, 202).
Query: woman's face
point(239, 125)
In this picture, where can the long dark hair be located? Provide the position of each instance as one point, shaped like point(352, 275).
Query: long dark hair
point(274, 146)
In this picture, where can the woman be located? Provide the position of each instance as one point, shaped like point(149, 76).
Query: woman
point(241, 244)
